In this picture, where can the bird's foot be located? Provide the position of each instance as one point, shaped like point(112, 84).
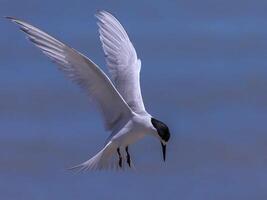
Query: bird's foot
point(128, 157)
point(120, 158)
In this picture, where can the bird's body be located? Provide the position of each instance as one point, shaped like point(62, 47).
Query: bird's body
point(136, 128)
point(120, 100)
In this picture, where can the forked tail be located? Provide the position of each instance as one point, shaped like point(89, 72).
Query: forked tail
point(102, 160)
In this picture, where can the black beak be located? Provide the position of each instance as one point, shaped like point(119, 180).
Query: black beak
point(163, 151)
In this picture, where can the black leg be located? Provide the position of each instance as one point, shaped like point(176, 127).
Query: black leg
point(120, 158)
point(128, 157)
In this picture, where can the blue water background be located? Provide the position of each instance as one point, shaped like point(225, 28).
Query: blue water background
point(204, 73)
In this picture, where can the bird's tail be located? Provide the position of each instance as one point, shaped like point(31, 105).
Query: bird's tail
point(102, 160)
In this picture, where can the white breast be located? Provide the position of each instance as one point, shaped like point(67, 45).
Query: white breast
point(135, 129)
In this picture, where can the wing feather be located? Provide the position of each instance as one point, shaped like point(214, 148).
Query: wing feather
point(84, 72)
point(122, 61)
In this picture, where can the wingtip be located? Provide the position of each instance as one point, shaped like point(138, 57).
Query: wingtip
point(13, 19)
point(9, 17)
point(102, 12)
point(98, 13)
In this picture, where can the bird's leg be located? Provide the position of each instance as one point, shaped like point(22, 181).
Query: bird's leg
point(128, 157)
point(120, 158)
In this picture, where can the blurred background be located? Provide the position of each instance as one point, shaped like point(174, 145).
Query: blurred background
point(204, 73)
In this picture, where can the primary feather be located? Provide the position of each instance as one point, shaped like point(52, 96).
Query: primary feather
point(121, 58)
point(85, 73)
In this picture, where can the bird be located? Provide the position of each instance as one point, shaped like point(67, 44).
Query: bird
point(118, 98)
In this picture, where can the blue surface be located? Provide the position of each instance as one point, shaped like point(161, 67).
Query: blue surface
point(204, 73)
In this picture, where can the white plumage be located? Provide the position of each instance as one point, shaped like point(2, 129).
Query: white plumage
point(124, 66)
point(121, 104)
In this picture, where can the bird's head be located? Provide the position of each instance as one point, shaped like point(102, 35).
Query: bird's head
point(163, 133)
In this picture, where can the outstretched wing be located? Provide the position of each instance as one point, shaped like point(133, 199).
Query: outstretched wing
point(84, 72)
point(121, 58)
